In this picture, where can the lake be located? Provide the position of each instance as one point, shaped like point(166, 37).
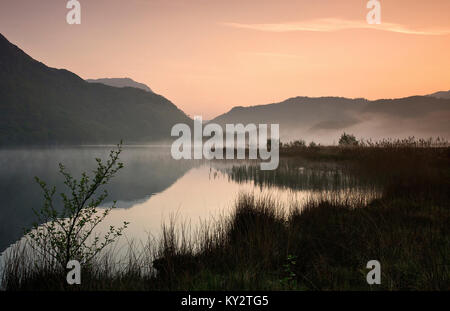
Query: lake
point(153, 188)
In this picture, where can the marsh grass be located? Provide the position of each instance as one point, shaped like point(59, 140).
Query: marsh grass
point(323, 243)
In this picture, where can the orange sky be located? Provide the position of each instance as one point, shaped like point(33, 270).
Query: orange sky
point(208, 56)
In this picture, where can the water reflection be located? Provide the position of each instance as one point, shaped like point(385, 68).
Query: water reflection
point(152, 188)
point(299, 174)
point(148, 170)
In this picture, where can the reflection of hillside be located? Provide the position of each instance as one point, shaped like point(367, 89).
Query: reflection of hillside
point(147, 171)
point(142, 177)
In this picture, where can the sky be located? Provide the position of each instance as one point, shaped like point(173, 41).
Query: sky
point(208, 56)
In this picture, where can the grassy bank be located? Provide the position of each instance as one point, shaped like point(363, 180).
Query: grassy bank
point(323, 245)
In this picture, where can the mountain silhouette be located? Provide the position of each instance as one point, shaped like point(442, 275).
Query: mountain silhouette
point(43, 105)
point(121, 82)
point(323, 119)
point(442, 94)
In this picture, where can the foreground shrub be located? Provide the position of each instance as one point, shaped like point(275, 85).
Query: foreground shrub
point(63, 235)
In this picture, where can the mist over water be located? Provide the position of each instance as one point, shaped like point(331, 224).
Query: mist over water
point(152, 188)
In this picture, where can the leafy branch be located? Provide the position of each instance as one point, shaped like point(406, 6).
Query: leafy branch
point(65, 235)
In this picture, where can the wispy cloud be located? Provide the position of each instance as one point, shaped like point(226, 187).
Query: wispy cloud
point(333, 24)
point(272, 54)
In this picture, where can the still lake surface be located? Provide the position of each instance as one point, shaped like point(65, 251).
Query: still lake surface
point(153, 188)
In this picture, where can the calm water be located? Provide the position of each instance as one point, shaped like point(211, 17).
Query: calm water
point(152, 188)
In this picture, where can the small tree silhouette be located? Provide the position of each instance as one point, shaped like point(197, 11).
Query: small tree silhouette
point(348, 140)
point(64, 235)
